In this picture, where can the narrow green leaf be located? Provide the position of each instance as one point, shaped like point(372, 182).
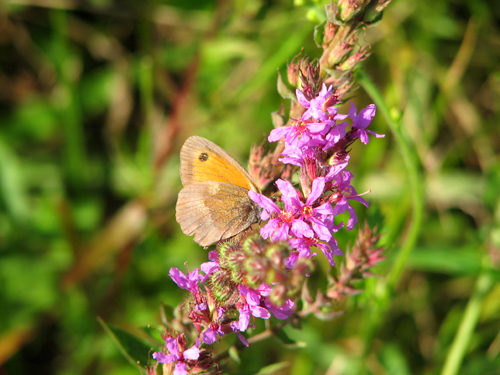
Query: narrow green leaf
point(271, 369)
point(134, 349)
point(283, 89)
point(287, 341)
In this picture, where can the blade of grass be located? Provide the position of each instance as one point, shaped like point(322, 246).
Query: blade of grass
point(461, 342)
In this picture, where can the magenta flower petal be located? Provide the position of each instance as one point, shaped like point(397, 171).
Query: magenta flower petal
point(209, 268)
point(180, 369)
point(260, 312)
point(301, 98)
point(278, 133)
point(281, 233)
point(209, 336)
point(321, 230)
point(365, 117)
point(244, 320)
point(243, 340)
point(263, 201)
point(289, 195)
point(283, 311)
point(301, 229)
point(192, 353)
point(164, 358)
point(317, 190)
point(324, 209)
point(268, 230)
point(172, 346)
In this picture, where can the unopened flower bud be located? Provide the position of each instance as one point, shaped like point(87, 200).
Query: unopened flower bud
point(225, 249)
point(309, 78)
point(276, 254)
point(349, 8)
point(256, 272)
point(330, 31)
point(293, 69)
point(338, 53)
point(254, 245)
point(221, 286)
point(278, 294)
point(354, 59)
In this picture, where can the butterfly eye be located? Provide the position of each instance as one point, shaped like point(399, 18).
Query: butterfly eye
point(203, 156)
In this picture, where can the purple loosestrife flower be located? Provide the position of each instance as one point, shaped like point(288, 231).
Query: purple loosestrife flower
point(280, 312)
point(362, 120)
point(343, 191)
point(310, 224)
point(282, 222)
point(190, 282)
point(322, 107)
point(215, 328)
point(249, 305)
point(303, 247)
point(210, 267)
point(315, 215)
point(177, 354)
point(313, 125)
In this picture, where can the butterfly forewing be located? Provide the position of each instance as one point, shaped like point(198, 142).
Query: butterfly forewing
point(202, 160)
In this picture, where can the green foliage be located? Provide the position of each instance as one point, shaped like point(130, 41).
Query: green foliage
point(95, 101)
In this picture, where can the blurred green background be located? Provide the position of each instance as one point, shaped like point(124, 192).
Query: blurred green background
point(96, 98)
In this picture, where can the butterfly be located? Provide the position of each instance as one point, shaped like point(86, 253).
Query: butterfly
point(214, 204)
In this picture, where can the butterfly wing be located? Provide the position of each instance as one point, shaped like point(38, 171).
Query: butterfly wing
point(202, 160)
point(214, 211)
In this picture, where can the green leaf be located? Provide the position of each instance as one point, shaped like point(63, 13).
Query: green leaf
point(271, 369)
point(154, 332)
point(234, 355)
point(446, 259)
point(134, 349)
point(287, 341)
point(283, 89)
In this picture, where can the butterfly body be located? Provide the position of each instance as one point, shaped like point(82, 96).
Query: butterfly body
point(214, 204)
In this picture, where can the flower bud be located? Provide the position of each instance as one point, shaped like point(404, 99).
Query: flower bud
point(350, 8)
point(354, 59)
point(293, 70)
point(254, 245)
point(256, 272)
point(222, 287)
point(278, 294)
point(329, 32)
point(276, 253)
point(225, 249)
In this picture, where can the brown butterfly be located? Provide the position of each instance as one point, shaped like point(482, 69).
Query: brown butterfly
point(214, 204)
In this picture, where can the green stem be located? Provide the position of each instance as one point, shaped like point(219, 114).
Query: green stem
point(412, 165)
point(484, 283)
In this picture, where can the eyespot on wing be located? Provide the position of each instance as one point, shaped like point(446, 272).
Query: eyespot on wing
point(202, 160)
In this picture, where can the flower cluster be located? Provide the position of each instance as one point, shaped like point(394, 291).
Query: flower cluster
point(317, 143)
point(259, 276)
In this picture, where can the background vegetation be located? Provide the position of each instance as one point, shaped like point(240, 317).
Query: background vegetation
point(96, 99)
